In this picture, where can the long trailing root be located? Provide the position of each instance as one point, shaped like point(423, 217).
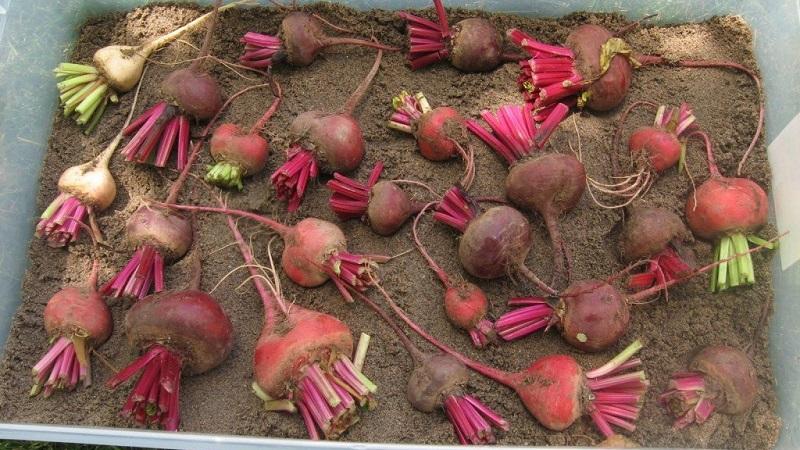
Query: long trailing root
point(469, 164)
point(629, 189)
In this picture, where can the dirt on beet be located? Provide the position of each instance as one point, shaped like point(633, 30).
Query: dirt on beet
point(220, 401)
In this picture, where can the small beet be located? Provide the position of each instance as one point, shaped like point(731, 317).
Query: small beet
point(437, 377)
point(471, 45)
point(441, 132)
point(384, 205)
point(595, 315)
point(655, 235)
point(720, 378)
point(238, 153)
point(298, 43)
point(195, 93)
point(77, 320)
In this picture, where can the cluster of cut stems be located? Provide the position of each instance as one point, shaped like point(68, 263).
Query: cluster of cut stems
point(533, 314)
point(84, 93)
point(144, 271)
point(291, 179)
point(687, 400)
point(160, 126)
point(428, 41)
point(63, 366)
point(259, 50)
point(350, 198)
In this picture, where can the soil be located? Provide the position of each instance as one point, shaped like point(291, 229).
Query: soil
point(221, 402)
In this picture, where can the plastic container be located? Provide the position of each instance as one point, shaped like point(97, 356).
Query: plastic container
point(35, 35)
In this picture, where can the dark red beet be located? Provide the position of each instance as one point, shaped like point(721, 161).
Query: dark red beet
point(593, 315)
point(168, 232)
point(177, 332)
point(437, 376)
point(190, 323)
point(322, 141)
point(194, 92)
point(495, 243)
point(607, 91)
point(551, 185)
point(720, 378)
point(299, 42)
point(383, 205)
point(648, 231)
point(471, 45)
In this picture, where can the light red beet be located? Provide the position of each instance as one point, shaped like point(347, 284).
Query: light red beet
point(322, 142)
point(238, 153)
point(314, 251)
point(554, 388)
point(441, 132)
point(728, 211)
point(660, 148)
point(77, 320)
point(384, 205)
point(177, 332)
point(298, 43)
point(301, 361)
point(471, 45)
point(720, 378)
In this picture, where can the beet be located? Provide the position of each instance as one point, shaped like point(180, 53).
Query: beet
point(465, 304)
point(720, 378)
point(178, 332)
point(322, 142)
point(728, 211)
point(554, 388)
point(239, 154)
point(314, 251)
point(301, 362)
point(441, 132)
point(440, 381)
point(384, 205)
point(298, 43)
point(187, 93)
point(77, 320)
point(471, 45)
point(655, 236)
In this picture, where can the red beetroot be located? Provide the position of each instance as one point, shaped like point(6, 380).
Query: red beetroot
point(439, 132)
point(551, 184)
point(471, 45)
point(239, 154)
point(653, 149)
point(188, 93)
point(322, 142)
point(384, 205)
point(177, 332)
point(494, 243)
point(301, 362)
point(720, 378)
point(77, 321)
point(592, 314)
point(554, 388)
point(299, 41)
point(465, 304)
point(655, 235)
point(439, 381)
point(314, 251)
point(728, 211)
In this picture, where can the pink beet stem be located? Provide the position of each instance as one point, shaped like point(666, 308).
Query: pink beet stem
point(712, 163)
point(276, 102)
point(267, 299)
point(456, 209)
point(641, 295)
point(276, 226)
point(358, 95)
point(437, 269)
point(290, 179)
point(440, 12)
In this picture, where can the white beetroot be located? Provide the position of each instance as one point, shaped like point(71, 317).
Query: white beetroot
point(85, 90)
